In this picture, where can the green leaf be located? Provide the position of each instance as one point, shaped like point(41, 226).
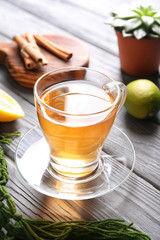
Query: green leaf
point(119, 23)
point(142, 9)
point(140, 33)
point(151, 35)
point(157, 15)
point(109, 21)
point(151, 14)
point(143, 17)
point(114, 14)
point(148, 21)
point(126, 15)
point(132, 24)
point(148, 10)
point(156, 29)
point(145, 11)
point(126, 34)
point(157, 21)
point(140, 13)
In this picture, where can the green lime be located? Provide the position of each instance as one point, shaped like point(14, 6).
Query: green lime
point(143, 98)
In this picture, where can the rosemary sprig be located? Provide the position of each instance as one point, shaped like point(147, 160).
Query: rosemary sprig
point(14, 227)
point(6, 137)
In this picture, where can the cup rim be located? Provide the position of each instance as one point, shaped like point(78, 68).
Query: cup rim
point(71, 114)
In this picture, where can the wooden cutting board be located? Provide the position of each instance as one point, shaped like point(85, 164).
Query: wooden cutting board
point(10, 57)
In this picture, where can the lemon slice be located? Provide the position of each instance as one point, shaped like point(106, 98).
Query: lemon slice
point(9, 108)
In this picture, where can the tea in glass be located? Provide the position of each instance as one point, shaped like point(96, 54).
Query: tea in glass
point(76, 114)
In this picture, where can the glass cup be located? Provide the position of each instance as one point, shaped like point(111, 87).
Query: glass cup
point(76, 108)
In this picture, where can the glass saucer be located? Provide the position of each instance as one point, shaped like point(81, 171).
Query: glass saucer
point(116, 165)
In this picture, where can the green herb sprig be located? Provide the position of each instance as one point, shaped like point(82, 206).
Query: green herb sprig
point(139, 22)
point(14, 227)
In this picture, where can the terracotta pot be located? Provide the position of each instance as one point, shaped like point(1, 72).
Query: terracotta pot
point(139, 57)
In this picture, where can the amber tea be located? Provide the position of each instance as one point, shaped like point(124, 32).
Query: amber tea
point(76, 118)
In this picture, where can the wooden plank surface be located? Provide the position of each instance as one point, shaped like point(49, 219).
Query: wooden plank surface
point(138, 199)
point(135, 201)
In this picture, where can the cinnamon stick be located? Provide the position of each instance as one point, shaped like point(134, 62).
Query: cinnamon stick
point(30, 38)
point(28, 48)
point(28, 61)
point(52, 47)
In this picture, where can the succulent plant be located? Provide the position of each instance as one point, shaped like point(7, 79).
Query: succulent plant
point(140, 22)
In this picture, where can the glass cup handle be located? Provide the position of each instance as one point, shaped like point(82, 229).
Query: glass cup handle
point(123, 89)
